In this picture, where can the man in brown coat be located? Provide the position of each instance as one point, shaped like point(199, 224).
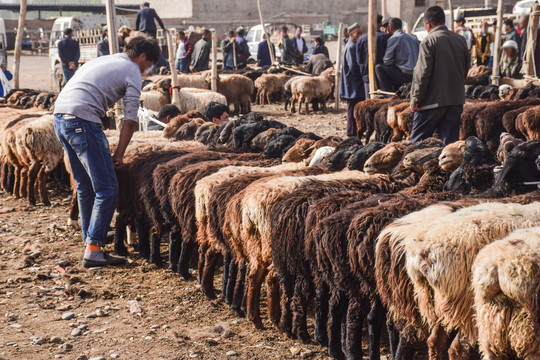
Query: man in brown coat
point(438, 86)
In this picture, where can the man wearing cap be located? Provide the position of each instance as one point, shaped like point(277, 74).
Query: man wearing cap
point(69, 53)
point(363, 51)
point(510, 65)
point(288, 55)
point(399, 60)
point(352, 86)
point(438, 86)
point(467, 33)
point(384, 25)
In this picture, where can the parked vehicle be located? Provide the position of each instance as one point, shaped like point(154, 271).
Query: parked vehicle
point(87, 31)
point(523, 7)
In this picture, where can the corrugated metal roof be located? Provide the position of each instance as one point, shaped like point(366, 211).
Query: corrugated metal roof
point(57, 2)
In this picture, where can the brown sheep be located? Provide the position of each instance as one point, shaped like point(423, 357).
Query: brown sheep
point(262, 139)
point(404, 122)
point(384, 160)
point(301, 150)
point(392, 119)
point(237, 89)
point(269, 84)
point(528, 123)
point(452, 156)
point(364, 115)
point(509, 120)
point(313, 88)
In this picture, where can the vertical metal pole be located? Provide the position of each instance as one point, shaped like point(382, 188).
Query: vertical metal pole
point(372, 45)
point(18, 44)
point(213, 76)
point(338, 65)
point(268, 41)
point(495, 78)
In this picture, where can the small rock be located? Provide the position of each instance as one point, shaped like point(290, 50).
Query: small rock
point(101, 313)
point(67, 346)
point(37, 340)
point(91, 316)
point(115, 356)
point(97, 358)
point(134, 307)
point(64, 308)
point(231, 353)
point(58, 356)
point(11, 316)
point(234, 322)
point(68, 315)
point(16, 326)
point(55, 339)
point(307, 354)
point(82, 327)
point(76, 332)
point(148, 338)
point(154, 327)
point(295, 350)
point(82, 357)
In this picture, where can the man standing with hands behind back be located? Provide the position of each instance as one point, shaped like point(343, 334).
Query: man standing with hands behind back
point(69, 53)
point(438, 86)
point(78, 111)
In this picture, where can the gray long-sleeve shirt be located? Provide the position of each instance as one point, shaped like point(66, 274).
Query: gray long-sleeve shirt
point(98, 85)
point(402, 51)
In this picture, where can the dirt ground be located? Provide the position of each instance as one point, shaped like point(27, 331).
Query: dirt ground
point(135, 311)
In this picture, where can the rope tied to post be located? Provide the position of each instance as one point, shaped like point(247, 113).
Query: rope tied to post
point(172, 88)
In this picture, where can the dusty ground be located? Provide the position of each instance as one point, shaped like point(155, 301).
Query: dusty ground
point(149, 313)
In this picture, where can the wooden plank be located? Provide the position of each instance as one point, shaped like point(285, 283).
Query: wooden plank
point(213, 76)
point(372, 45)
point(18, 44)
point(338, 65)
point(495, 78)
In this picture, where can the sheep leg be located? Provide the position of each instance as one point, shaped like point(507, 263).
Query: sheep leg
point(299, 304)
point(143, 234)
point(438, 344)
point(460, 349)
point(175, 244)
point(307, 101)
point(300, 102)
point(321, 314)
point(255, 279)
point(268, 97)
point(238, 295)
point(203, 249)
point(31, 182)
point(231, 280)
point(393, 337)
point(16, 181)
point(353, 332)
point(4, 170)
point(207, 279)
point(119, 236)
point(405, 350)
point(376, 319)
point(337, 308)
point(285, 323)
point(185, 256)
point(155, 255)
point(272, 286)
point(226, 267)
point(42, 187)
point(23, 183)
point(10, 182)
point(323, 106)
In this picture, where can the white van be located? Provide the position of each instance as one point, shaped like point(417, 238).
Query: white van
point(87, 30)
point(255, 36)
point(3, 43)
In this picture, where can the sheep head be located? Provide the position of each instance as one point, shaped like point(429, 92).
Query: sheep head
point(173, 126)
point(384, 160)
point(300, 150)
point(329, 74)
point(452, 156)
point(415, 160)
point(507, 143)
point(262, 139)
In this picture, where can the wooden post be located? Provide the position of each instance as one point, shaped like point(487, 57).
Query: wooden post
point(383, 8)
point(451, 8)
point(495, 78)
point(372, 45)
point(234, 56)
point(213, 77)
point(113, 48)
point(171, 45)
point(532, 38)
point(338, 65)
point(268, 41)
point(18, 44)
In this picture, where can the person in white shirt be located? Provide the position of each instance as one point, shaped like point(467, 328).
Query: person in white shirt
point(299, 46)
point(183, 53)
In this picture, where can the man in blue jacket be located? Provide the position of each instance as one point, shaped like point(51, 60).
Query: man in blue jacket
point(145, 20)
point(69, 53)
point(399, 60)
point(352, 86)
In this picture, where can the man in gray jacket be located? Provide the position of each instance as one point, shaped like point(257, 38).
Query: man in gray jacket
point(399, 60)
point(438, 86)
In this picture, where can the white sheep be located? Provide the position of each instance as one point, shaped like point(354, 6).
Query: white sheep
point(317, 87)
point(320, 155)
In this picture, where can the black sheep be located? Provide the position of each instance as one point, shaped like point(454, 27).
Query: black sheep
point(278, 146)
point(357, 161)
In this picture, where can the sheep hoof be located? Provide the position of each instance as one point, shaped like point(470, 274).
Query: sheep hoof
point(46, 203)
point(209, 292)
point(239, 313)
point(74, 224)
point(258, 324)
point(304, 337)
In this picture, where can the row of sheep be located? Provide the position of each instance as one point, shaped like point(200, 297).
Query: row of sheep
point(28, 98)
point(315, 236)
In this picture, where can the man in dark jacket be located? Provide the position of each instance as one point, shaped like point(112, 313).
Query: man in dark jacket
point(399, 59)
point(230, 52)
point(299, 46)
point(263, 53)
point(317, 64)
point(103, 44)
point(510, 32)
point(145, 20)
point(201, 53)
point(243, 54)
point(69, 53)
point(288, 55)
point(352, 86)
point(320, 48)
point(437, 91)
point(362, 53)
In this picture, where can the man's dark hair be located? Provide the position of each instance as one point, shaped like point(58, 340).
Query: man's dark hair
point(379, 18)
point(168, 110)
point(241, 32)
point(207, 32)
point(435, 15)
point(146, 4)
point(181, 32)
point(143, 44)
point(319, 40)
point(509, 22)
point(215, 110)
point(395, 23)
point(284, 28)
point(68, 31)
point(232, 33)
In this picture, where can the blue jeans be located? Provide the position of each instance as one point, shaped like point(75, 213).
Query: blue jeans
point(68, 73)
point(92, 168)
point(446, 120)
point(182, 65)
